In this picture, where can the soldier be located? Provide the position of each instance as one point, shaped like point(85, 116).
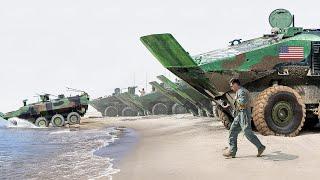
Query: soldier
point(242, 120)
point(142, 92)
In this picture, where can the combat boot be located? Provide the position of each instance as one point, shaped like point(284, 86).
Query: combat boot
point(260, 151)
point(228, 154)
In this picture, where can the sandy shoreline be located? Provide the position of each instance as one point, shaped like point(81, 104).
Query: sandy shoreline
point(187, 147)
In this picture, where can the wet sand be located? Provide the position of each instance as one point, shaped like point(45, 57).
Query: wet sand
point(186, 147)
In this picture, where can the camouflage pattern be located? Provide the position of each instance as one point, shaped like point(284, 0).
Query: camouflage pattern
point(242, 121)
point(249, 61)
point(258, 63)
point(47, 108)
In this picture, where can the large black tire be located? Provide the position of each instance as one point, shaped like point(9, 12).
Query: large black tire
point(73, 118)
point(178, 109)
point(42, 122)
point(57, 120)
point(128, 111)
point(224, 118)
point(159, 109)
point(111, 111)
point(279, 110)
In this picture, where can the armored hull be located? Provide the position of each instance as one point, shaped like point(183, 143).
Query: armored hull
point(194, 97)
point(281, 70)
point(156, 103)
point(181, 105)
point(109, 106)
point(58, 112)
point(116, 104)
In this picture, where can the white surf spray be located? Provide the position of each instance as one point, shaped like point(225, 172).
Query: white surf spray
point(16, 123)
point(3, 123)
point(61, 132)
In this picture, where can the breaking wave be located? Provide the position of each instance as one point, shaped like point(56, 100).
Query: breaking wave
point(16, 123)
point(69, 154)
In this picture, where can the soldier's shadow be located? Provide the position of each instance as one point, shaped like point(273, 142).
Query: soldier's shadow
point(277, 156)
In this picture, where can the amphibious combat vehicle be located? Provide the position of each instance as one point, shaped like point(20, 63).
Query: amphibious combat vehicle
point(130, 104)
point(152, 103)
point(281, 69)
point(60, 111)
point(203, 104)
point(113, 105)
point(181, 106)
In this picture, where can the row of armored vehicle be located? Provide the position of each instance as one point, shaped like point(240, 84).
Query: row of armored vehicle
point(165, 98)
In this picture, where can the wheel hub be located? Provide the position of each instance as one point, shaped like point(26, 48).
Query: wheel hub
point(73, 119)
point(42, 123)
point(282, 113)
point(57, 121)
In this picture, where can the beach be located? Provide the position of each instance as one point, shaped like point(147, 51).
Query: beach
point(187, 147)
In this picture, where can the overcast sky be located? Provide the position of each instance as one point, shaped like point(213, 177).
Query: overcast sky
point(94, 45)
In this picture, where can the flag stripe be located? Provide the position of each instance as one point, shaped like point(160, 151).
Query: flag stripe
point(291, 52)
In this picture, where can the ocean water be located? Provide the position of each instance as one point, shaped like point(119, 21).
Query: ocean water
point(28, 152)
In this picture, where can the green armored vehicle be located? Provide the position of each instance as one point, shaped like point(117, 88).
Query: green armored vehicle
point(198, 100)
point(181, 106)
point(153, 103)
point(113, 105)
point(131, 100)
point(280, 69)
point(156, 103)
point(58, 112)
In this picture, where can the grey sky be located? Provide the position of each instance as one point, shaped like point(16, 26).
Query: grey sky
point(94, 45)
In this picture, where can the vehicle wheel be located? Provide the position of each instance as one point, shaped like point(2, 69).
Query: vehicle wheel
point(208, 108)
point(178, 109)
point(159, 108)
point(205, 113)
point(111, 111)
point(42, 122)
point(73, 118)
point(215, 111)
point(193, 111)
point(224, 118)
point(128, 111)
point(57, 120)
point(279, 110)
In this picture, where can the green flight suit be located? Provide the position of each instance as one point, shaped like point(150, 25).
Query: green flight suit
point(242, 121)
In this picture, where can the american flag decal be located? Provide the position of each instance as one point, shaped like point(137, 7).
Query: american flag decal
point(291, 52)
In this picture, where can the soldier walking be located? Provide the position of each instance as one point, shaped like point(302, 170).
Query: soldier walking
point(242, 120)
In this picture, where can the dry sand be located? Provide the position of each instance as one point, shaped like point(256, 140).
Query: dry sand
point(186, 147)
